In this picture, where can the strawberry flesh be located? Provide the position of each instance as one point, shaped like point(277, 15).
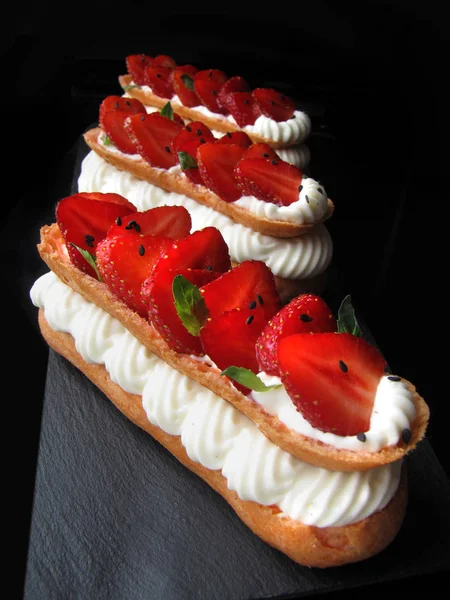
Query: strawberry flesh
point(271, 180)
point(242, 107)
point(261, 150)
point(248, 286)
point(188, 140)
point(130, 105)
point(84, 220)
point(173, 222)
point(162, 60)
point(306, 313)
point(114, 126)
point(181, 79)
point(136, 65)
point(217, 163)
point(158, 80)
point(234, 84)
point(274, 105)
point(240, 138)
point(207, 91)
point(153, 135)
point(332, 379)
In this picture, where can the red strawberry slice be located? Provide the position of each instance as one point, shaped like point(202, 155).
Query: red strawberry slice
point(242, 107)
point(230, 338)
point(114, 126)
point(188, 140)
point(261, 150)
point(130, 105)
point(217, 163)
point(248, 286)
point(273, 104)
point(153, 135)
point(211, 75)
point(307, 313)
point(125, 261)
point(332, 379)
point(274, 180)
point(182, 80)
point(158, 296)
point(173, 222)
point(202, 249)
point(240, 138)
point(158, 80)
point(136, 64)
point(234, 84)
point(207, 92)
point(84, 220)
point(162, 60)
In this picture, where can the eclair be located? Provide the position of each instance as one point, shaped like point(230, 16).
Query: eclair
point(311, 386)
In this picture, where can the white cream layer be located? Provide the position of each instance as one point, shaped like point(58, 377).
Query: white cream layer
point(213, 432)
point(302, 257)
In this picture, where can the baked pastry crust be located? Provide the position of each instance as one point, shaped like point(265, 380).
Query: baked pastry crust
point(172, 182)
point(149, 99)
point(53, 252)
point(308, 545)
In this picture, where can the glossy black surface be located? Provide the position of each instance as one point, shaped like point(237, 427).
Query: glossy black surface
point(371, 77)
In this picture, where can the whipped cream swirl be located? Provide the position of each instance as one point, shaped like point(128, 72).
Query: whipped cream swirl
point(214, 433)
point(302, 257)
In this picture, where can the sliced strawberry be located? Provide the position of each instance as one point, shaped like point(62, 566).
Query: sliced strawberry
point(114, 127)
point(332, 379)
point(274, 180)
point(247, 286)
point(173, 222)
point(261, 150)
point(125, 261)
point(230, 338)
point(306, 313)
point(240, 138)
point(234, 84)
point(217, 163)
point(207, 92)
point(158, 80)
point(202, 249)
point(187, 141)
point(211, 75)
point(84, 220)
point(129, 105)
point(182, 80)
point(153, 135)
point(162, 60)
point(243, 107)
point(136, 64)
point(157, 294)
point(273, 104)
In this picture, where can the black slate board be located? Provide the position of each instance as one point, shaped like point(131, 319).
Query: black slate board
point(115, 516)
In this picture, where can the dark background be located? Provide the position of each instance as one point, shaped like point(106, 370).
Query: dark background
point(372, 78)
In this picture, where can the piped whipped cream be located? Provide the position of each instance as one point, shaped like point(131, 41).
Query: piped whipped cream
point(293, 131)
point(213, 432)
point(302, 257)
point(393, 411)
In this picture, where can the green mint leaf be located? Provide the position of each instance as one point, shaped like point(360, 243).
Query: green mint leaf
point(106, 140)
point(347, 322)
point(248, 378)
point(188, 81)
point(88, 257)
point(189, 304)
point(129, 87)
point(186, 161)
point(167, 111)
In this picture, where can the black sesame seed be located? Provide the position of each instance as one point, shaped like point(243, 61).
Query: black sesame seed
point(252, 304)
point(127, 102)
point(214, 92)
point(300, 187)
point(272, 102)
point(89, 239)
point(158, 75)
point(394, 378)
point(305, 318)
point(141, 250)
point(343, 366)
point(118, 221)
point(210, 74)
point(208, 268)
point(260, 299)
point(250, 319)
point(202, 141)
point(406, 436)
point(188, 128)
point(306, 198)
point(361, 437)
point(167, 148)
point(199, 132)
point(143, 118)
point(137, 227)
point(229, 134)
point(117, 105)
point(130, 225)
point(274, 162)
point(245, 101)
point(265, 155)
